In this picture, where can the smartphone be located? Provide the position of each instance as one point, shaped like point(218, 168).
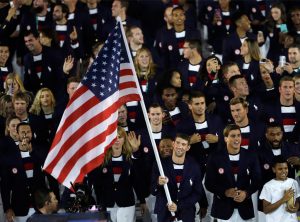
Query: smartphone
point(263, 61)
point(283, 28)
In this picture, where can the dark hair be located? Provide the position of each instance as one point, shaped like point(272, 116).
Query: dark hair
point(64, 8)
point(73, 79)
point(295, 45)
point(285, 79)
point(31, 32)
point(155, 105)
point(274, 125)
point(278, 159)
point(196, 94)
point(229, 128)
point(183, 136)
point(41, 196)
point(22, 124)
point(194, 44)
point(178, 8)
point(233, 79)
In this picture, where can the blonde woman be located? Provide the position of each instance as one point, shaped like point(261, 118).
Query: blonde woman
point(115, 180)
point(146, 72)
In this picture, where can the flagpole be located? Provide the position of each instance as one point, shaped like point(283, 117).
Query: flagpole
point(157, 158)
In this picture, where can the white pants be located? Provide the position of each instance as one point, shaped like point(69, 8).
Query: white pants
point(236, 218)
point(150, 201)
point(24, 218)
point(120, 214)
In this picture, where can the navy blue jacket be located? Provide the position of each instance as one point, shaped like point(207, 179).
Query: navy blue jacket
point(14, 184)
point(185, 197)
point(109, 193)
point(219, 178)
point(232, 46)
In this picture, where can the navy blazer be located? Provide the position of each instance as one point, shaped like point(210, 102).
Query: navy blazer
point(219, 178)
point(199, 153)
point(109, 193)
point(186, 196)
point(15, 192)
point(232, 46)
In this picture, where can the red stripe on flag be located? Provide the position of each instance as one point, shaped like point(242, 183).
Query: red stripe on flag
point(84, 149)
point(81, 131)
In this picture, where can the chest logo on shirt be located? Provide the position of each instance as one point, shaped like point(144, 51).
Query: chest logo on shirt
point(237, 51)
point(219, 23)
point(271, 34)
point(170, 48)
point(254, 10)
point(104, 170)
point(14, 170)
point(226, 98)
point(209, 8)
point(221, 171)
point(271, 120)
point(146, 150)
point(266, 166)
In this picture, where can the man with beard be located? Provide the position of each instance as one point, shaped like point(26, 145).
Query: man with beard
point(174, 109)
point(66, 32)
point(37, 18)
point(273, 146)
point(21, 176)
point(135, 38)
point(293, 66)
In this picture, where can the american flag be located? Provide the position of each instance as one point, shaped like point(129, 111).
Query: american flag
point(89, 123)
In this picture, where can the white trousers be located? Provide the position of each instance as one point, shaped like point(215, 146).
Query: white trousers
point(236, 218)
point(120, 214)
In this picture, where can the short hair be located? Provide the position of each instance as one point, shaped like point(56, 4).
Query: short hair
point(278, 159)
point(22, 124)
point(31, 32)
point(227, 65)
point(229, 128)
point(129, 30)
point(64, 8)
point(73, 79)
point(233, 79)
point(295, 45)
point(238, 100)
point(155, 105)
point(238, 15)
point(183, 136)
point(41, 196)
point(285, 79)
point(124, 3)
point(196, 94)
point(194, 44)
point(21, 96)
point(178, 7)
point(274, 125)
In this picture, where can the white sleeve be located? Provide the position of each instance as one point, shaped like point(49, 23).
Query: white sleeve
point(296, 188)
point(266, 194)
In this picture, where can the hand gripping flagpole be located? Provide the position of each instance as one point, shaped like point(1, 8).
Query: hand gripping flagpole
point(157, 158)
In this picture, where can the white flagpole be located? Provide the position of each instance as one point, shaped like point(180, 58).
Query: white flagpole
point(157, 158)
